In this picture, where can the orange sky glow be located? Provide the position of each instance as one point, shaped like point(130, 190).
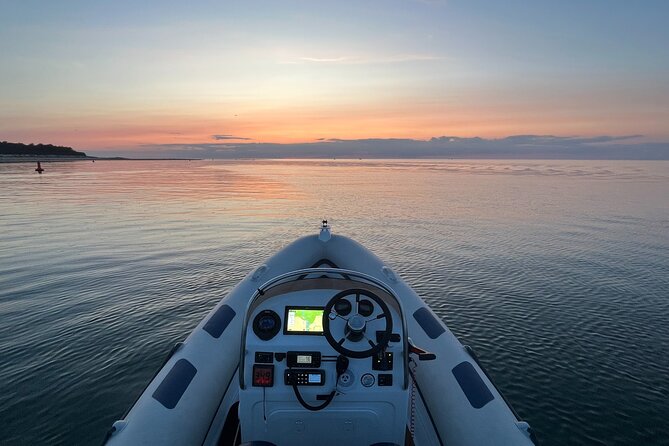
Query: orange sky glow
point(296, 73)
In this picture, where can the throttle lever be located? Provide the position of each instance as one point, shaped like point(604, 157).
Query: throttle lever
point(423, 355)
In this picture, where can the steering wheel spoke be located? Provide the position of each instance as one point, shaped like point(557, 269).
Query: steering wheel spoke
point(380, 316)
point(370, 342)
point(334, 315)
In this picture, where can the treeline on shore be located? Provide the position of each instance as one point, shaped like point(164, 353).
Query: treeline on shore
point(16, 148)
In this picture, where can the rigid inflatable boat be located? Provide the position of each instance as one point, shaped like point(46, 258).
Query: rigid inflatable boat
point(322, 345)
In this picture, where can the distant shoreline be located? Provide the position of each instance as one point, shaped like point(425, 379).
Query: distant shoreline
point(17, 152)
point(13, 159)
point(34, 159)
point(6, 159)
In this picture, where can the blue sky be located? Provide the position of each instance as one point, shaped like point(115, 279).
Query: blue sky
point(124, 75)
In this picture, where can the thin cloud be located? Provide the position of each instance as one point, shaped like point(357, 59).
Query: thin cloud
point(511, 147)
point(538, 140)
point(348, 60)
point(407, 58)
point(602, 139)
point(227, 137)
point(431, 2)
point(562, 140)
point(323, 59)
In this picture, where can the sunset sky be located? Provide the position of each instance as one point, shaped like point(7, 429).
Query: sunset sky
point(132, 75)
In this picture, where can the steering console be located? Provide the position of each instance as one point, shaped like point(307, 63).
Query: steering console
point(320, 355)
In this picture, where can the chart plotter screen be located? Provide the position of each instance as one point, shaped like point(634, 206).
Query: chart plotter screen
point(304, 320)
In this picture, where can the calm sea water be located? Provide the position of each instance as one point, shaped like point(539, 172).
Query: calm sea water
point(556, 272)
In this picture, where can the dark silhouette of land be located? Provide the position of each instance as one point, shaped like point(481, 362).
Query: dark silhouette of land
point(19, 149)
point(16, 152)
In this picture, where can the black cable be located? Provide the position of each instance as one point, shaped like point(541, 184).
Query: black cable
point(342, 365)
point(307, 406)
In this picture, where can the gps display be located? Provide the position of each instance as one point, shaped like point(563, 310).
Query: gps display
point(304, 320)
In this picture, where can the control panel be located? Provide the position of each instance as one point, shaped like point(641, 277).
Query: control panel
point(383, 360)
point(263, 375)
point(264, 357)
point(325, 351)
point(303, 359)
point(304, 377)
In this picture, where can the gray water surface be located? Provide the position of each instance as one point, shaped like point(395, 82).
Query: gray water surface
point(556, 272)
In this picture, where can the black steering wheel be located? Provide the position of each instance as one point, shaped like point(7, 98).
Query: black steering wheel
point(357, 311)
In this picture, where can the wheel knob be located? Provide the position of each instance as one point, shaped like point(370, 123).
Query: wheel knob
point(356, 325)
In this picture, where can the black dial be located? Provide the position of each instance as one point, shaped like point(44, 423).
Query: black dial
point(365, 308)
point(343, 307)
point(266, 324)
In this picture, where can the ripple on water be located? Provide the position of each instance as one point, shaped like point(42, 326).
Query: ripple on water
point(555, 272)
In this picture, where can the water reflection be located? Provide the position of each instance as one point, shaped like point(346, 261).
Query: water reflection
point(556, 271)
